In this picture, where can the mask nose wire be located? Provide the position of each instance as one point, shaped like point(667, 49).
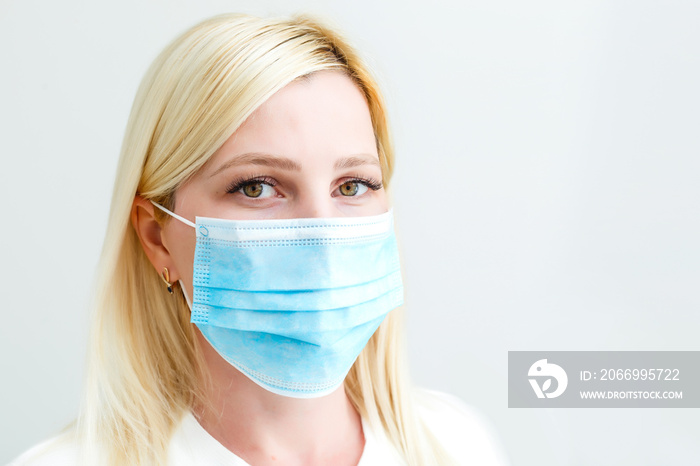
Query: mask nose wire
point(174, 215)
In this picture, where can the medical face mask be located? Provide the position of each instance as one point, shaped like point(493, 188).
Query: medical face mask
point(291, 303)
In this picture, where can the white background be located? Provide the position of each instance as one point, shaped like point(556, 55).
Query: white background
point(547, 194)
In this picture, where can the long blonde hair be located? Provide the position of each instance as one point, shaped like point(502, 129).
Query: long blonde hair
point(144, 367)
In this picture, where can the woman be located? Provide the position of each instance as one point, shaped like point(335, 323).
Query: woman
point(250, 271)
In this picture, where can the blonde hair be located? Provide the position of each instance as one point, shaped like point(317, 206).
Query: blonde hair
point(144, 367)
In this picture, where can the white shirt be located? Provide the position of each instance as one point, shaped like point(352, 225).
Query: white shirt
point(461, 430)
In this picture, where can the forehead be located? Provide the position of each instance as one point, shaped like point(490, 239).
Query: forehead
point(324, 115)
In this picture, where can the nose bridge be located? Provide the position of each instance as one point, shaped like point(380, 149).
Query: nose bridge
point(314, 199)
point(315, 202)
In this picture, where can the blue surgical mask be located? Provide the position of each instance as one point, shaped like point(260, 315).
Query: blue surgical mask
point(291, 303)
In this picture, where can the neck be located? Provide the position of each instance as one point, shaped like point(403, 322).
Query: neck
point(262, 427)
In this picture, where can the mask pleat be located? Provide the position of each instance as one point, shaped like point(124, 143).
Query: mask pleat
point(292, 302)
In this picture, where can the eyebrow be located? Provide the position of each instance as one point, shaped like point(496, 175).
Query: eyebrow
point(257, 158)
point(356, 161)
point(284, 163)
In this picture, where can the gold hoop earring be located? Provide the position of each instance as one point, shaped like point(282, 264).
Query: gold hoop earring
point(165, 275)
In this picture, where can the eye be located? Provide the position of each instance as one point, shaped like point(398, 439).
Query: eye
point(356, 187)
point(352, 188)
point(254, 188)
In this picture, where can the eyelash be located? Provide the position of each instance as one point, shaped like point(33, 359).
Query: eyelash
point(371, 183)
point(241, 183)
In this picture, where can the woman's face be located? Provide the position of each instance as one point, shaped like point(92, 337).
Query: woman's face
point(309, 151)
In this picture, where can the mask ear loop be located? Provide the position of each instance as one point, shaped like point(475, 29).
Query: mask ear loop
point(184, 293)
point(186, 222)
point(174, 215)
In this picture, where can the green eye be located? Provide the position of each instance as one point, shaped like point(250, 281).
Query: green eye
point(253, 190)
point(349, 189)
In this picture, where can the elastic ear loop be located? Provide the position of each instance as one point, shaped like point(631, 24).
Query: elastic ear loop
point(184, 293)
point(174, 215)
point(186, 222)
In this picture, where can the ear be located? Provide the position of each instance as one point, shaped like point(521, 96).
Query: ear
point(150, 234)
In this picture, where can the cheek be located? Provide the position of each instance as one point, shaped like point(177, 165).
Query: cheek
point(382, 202)
point(180, 241)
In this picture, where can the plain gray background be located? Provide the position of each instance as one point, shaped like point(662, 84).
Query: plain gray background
point(546, 194)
